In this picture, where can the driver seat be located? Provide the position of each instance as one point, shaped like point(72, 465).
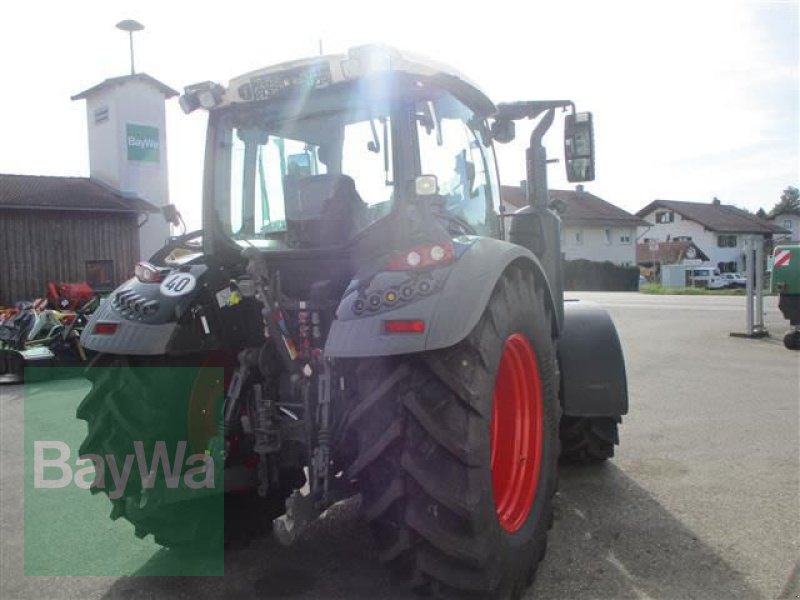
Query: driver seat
point(323, 211)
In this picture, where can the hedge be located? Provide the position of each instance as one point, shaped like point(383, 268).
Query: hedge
point(587, 275)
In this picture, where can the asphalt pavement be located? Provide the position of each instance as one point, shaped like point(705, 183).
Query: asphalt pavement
point(701, 501)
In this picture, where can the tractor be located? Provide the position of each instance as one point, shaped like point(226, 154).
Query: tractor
point(378, 324)
point(785, 281)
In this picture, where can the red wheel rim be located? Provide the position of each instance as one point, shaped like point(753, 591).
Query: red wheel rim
point(516, 433)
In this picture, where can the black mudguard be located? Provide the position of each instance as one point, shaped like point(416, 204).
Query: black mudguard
point(152, 333)
point(593, 380)
point(450, 312)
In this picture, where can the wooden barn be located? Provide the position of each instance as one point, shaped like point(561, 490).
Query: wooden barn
point(65, 229)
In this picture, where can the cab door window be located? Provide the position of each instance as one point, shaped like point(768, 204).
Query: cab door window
point(452, 150)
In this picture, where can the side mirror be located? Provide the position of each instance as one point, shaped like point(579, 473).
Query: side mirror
point(579, 147)
point(171, 214)
point(503, 131)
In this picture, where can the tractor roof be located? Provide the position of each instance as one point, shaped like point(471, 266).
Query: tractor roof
point(362, 61)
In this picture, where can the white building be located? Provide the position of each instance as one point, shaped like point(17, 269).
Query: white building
point(591, 228)
point(128, 145)
point(596, 230)
point(719, 230)
point(789, 221)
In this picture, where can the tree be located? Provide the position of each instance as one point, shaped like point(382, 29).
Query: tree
point(789, 202)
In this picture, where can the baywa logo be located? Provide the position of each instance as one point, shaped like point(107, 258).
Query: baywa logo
point(122, 472)
point(106, 472)
point(143, 142)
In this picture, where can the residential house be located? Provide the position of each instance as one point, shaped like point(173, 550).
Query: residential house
point(591, 228)
point(719, 230)
point(650, 256)
point(790, 221)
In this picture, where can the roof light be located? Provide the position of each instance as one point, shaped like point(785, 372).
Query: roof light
point(369, 59)
point(206, 94)
point(206, 99)
point(422, 257)
point(404, 326)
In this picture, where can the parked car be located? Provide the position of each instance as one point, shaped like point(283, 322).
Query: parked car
point(707, 277)
point(734, 280)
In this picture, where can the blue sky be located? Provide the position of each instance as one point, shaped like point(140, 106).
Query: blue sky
point(691, 99)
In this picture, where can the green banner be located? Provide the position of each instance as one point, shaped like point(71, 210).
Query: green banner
point(142, 450)
point(142, 142)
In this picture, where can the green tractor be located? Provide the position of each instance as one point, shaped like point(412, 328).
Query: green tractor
point(385, 329)
point(785, 281)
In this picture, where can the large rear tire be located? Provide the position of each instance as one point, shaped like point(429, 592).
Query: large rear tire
point(458, 448)
point(128, 403)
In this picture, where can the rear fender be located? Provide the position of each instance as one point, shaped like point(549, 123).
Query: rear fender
point(459, 297)
point(593, 380)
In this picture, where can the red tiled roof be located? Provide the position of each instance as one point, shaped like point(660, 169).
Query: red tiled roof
point(722, 218)
point(578, 207)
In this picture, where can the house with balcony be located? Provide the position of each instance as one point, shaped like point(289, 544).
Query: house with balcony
point(718, 230)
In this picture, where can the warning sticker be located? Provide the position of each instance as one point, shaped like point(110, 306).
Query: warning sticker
point(782, 258)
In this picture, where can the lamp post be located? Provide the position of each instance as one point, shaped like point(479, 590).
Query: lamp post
point(130, 26)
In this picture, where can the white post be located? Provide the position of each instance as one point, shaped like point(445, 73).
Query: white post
point(759, 267)
point(748, 246)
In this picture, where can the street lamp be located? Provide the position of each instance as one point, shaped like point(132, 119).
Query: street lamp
point(130, 26)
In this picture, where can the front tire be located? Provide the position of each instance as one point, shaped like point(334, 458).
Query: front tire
point(455, 505)
point(792, 340)
point(588, 440)
point(148, 400)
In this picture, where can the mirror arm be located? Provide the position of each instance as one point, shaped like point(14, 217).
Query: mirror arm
point(536, 163)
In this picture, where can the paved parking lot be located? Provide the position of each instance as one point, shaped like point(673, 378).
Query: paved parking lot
point(700, 502)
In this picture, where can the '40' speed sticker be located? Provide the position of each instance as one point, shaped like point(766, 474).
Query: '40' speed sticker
point(178, 284)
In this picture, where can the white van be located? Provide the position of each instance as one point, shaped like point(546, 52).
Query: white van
point(707, 277)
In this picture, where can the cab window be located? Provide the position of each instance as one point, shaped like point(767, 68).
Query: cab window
point(261, 210)
point(451, 148)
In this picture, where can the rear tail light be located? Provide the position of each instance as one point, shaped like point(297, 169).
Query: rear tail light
point(147, 273)
point(404, 326)
point(105, 328)
point(422, 257)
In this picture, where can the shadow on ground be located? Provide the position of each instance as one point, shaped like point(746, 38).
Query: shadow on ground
point(611, 539)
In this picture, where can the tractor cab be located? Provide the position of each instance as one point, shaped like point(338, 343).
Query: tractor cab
point(346, 160)
point(330, 154)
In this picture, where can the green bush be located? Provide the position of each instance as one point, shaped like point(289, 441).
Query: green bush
point(658, 289)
